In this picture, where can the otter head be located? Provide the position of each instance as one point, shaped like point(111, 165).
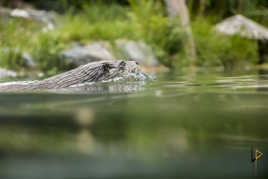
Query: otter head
point(129, 67)
point(124, 69)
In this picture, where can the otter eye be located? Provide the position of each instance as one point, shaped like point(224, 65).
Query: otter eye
point(137, 63)
point(122, 64)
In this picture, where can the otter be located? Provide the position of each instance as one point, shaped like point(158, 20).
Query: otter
point(91, 72)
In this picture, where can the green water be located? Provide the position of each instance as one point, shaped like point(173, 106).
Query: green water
point(178, 126)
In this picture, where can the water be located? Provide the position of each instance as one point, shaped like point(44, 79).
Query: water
point(178, 126)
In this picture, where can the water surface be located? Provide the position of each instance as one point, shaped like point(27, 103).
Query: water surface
point(191, 126)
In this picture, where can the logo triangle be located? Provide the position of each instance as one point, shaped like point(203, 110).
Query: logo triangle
point(258, 154)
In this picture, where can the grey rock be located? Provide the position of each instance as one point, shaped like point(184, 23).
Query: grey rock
point(39, 15)
point(243, 26)
point(45, 17)
point(139, 51)
point(80, 55)
point(28, 60)
point(4, 13)
point(240, 25)
point(7, 73)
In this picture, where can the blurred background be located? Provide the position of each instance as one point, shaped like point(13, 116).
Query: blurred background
point(52, 36)
point(204, 116)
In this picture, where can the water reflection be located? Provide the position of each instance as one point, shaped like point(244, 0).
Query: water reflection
point(104, 88)
point(85, 142)
point(175, 126)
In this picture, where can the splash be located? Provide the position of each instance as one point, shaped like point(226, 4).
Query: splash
point(124, 83)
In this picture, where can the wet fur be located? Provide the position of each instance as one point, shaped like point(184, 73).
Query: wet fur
point(92, 72)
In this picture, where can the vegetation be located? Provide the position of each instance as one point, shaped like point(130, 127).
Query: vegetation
point(217, 50)
point(138, 20)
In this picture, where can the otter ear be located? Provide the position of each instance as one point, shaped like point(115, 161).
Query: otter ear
point(122, 65)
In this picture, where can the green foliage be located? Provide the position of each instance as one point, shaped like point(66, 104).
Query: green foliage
point(214, 49)
point(15, 36)
point(98, 22)
point(94, 23)
point(46, 53)
point(145, 20)
point(18, 35)
point(11, 59)
point(162, 33)
point(255, 9)
point(15, 31)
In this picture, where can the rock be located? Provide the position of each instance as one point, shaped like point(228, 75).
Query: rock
point(4, 13)
point(28, 60)
point(20, 13)
point(37, 15)
point(240, 25)
point(7, 73)
point(80, 55)
point(138, 51)
point(243, 26)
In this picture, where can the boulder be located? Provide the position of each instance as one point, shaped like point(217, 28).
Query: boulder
point(139, 51)
point(240, 25)
point(4, 13)
point(243, 26)
point(83, 54)
point(28, 60)
point(37, 15)
point(7, 73)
